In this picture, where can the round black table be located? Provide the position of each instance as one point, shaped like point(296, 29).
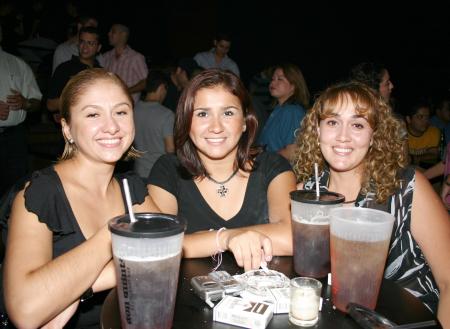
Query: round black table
point(395, 303)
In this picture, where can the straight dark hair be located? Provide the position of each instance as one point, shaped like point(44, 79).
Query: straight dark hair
point(185, 148)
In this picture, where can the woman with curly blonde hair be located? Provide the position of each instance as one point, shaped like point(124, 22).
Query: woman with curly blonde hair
point(386, 145)
point(353, 136)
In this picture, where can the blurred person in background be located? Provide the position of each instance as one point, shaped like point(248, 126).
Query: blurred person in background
point(217, 57)
point(291, 94)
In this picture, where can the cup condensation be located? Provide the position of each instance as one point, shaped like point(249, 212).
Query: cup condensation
point(305, 301)
point(147, 256)
point(359, 240)
point(311, 231)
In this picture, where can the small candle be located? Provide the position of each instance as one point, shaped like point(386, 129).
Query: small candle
point(305, 301)
point(305, 304)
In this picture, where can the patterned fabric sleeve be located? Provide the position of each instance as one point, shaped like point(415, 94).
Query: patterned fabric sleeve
point(406, 264)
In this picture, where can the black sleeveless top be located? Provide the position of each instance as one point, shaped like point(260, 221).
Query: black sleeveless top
point(45, 197)
point(168, 174)
point(406, 264)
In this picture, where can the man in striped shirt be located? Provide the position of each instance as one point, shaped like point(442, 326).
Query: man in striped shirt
point(122, 60)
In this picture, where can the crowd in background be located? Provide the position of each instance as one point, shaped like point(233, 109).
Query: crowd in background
point(177, 115)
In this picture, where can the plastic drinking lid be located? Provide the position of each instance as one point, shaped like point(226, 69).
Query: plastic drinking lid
point(309, 196)
point(147, 225)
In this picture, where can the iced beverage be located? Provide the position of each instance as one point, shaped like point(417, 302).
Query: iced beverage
point(151, 278)
point(359, 244)
point(312, 249)
point(310, 228)
point(147, 256)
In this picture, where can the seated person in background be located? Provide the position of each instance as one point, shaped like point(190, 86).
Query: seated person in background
point(154, 124)
point(352, 135)
point(376, 76)
point(232, 196)
point(88, 46)
point(185, 70)
point(423, 139)
point(58, 243)
point(129, 64)
point(217, 57)
point(289, 89)
point(70, 47)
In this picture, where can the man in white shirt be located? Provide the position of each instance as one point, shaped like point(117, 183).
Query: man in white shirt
point(217, 57)
point(19, 93)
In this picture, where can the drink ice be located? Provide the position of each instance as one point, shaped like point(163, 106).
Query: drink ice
point(151, 292)
point(359, 244)
point(147, 256)
point(357, 268)
point(312, 248)
point(310, 229)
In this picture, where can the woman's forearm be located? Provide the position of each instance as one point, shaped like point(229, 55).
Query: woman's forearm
point(61, 280)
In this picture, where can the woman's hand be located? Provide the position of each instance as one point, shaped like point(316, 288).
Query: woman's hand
point(250, 248)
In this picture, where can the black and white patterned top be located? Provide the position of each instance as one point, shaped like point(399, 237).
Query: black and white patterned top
point(406, 264)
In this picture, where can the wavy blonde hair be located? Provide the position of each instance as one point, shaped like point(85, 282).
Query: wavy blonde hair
point(387, 154)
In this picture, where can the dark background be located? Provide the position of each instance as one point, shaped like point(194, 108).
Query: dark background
point(324, 38)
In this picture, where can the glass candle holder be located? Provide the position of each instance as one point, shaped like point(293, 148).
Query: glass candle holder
point(305, 301)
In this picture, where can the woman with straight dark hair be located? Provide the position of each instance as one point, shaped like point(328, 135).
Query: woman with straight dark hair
point(233, 196)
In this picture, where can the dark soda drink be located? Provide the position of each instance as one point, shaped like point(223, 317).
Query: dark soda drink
point(147, 254)
point(311, 231)
point(147, 291)
point(357, 270)
point(311, 247)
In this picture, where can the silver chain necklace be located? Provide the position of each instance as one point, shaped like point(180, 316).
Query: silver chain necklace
point(222, 190)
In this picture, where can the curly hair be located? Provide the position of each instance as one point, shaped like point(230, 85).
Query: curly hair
point(387, 154)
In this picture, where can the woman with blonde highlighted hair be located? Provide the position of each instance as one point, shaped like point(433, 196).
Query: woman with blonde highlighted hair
point(58, 250)
point(353, 136)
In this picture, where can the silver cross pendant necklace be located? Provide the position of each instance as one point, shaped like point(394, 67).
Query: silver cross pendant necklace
point(222, 190)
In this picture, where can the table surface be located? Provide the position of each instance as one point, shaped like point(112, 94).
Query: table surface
point(395, 303)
